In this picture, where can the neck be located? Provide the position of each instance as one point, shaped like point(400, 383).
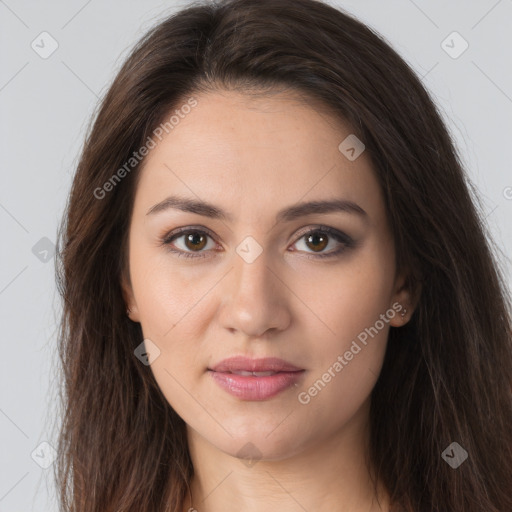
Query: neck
point(329, 475)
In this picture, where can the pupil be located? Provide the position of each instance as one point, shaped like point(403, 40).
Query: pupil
point(316, 238)
point(195, 239)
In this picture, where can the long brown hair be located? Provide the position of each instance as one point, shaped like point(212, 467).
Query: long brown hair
point(447, 374)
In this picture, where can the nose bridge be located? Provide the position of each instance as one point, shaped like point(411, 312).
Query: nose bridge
point(255, 300)
point(251, 278)
point(251, 268)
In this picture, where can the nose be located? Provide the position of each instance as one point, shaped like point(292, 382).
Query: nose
point(255, 298)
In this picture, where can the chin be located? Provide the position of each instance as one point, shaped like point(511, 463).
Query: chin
point(259, 440)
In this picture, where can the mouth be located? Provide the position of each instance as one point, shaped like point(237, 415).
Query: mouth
point(239, 364)
point(245, 373)
point(255, 379)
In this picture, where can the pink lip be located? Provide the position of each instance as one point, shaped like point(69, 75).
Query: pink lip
point(254, 365)
point(255, 387)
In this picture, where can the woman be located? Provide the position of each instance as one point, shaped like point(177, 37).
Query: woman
point(278, 291)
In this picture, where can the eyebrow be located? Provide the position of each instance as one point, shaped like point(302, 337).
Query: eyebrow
point(285, 215)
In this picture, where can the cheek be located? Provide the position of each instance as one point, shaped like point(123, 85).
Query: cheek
point(352, 303)
point(169, 299)
point(175, 310)
point(348, 297)
point(171, 313)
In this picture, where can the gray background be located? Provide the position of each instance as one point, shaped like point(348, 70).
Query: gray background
point(46, 104)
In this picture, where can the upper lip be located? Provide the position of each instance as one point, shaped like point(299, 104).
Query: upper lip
point(242, 363)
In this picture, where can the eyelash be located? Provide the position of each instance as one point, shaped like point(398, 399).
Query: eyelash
point(337, 235)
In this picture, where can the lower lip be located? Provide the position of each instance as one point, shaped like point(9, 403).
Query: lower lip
point(255, 388)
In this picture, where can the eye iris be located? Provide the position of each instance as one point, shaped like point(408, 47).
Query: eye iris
point(315, 238)
point(195, 238)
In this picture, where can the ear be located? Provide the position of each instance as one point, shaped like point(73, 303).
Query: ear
point(129, 298)
point(405, 298)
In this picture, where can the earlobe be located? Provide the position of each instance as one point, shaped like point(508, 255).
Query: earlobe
point(132, 312)
point(402, 313)
point(405, 300)
point(131, 306)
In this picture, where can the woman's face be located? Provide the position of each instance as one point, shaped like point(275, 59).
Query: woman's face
point(254, 272)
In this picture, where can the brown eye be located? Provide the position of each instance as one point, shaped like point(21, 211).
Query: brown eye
point(189, 243)
point(317, 241)
point(195, 241)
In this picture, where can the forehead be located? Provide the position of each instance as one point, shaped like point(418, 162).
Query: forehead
point(252, 152)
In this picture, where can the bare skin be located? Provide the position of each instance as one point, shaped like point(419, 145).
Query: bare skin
point(251, 158)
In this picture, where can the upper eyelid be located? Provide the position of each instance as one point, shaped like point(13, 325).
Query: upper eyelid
point(184, 231)
point(301, 232)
